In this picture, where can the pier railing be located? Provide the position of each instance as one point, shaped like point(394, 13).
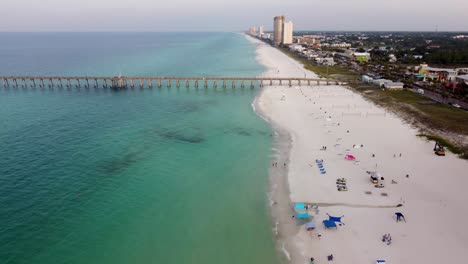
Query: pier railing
point(124, 82)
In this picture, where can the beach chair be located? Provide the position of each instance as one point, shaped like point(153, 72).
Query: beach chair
point(380, 261)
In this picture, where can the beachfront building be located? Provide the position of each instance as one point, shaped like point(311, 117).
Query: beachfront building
point(253, 31)
point(439, 74)
point(308, 41)
point(328, 61)
point(393, 85)
point(296, 48)
point(462, 78)
point(287, 33)
point(278, 30)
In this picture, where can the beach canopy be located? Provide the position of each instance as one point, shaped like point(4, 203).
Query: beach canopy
point(302, 215)
point(335, 219)
point(310, 226)
point(350, 157)
point(300, 207)
point(329, 224)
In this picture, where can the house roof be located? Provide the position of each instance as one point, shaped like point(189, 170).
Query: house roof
point(440, 70)
point(463, 77)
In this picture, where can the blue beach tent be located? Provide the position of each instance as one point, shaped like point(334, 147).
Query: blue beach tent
point(300, 207)
point(329, 224)
point(302, 215)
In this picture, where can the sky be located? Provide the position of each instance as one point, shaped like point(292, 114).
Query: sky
point(231, 15)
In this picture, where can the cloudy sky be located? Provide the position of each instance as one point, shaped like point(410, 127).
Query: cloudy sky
point(231, 15)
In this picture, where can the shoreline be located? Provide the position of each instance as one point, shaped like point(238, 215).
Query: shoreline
point(279, 192)
point(278, 189)
point(304, 119)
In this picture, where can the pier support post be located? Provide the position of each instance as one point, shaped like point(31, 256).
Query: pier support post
point(271, 82)
point(196, 83)
point(150, 83)
point(159, 83)
point(132, 84)
point(281, 82)
point(233, 84)
point(5, 82)
point(16, 83)
point(187, 84)
point(215, 84)
point(24, 83)
point(251, 84)
point(242, 84)
point(51, 83)
point(290, 83)
point(42, 83)
point(142, 83)
point(168, 83)
point(308, 82)
point(104, 83)
point(261, 83)
point(87, 83)
point(224, 83)
point(205, 83)
point(299, 82)
point(78, 84)
point(178, 83)
point(33, 83)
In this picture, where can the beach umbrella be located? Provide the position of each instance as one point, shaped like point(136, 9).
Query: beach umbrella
point(350, 157)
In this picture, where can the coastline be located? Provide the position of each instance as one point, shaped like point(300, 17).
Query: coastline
point(306, 118)
point(279, 193)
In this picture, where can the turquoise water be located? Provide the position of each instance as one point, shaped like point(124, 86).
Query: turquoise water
point(139, 176)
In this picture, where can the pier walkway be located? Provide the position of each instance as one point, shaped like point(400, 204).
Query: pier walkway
point(123, 82)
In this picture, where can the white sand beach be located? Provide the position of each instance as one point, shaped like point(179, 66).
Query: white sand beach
point(434, 197)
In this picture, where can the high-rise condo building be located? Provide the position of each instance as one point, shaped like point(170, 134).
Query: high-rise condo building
point(278, 29)
point(287, 33)
point(260, 31)
point(253, 31)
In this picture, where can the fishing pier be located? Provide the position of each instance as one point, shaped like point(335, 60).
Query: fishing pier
point(125, 82)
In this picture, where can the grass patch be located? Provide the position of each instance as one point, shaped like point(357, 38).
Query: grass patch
point(443, 142)
point(436, 115)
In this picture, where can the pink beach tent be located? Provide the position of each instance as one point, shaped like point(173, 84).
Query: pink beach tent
point(350, 157)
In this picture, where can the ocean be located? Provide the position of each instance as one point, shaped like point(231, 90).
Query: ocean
point(137, 176)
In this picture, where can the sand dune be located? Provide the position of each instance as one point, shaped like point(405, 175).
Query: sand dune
point(433, 197)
